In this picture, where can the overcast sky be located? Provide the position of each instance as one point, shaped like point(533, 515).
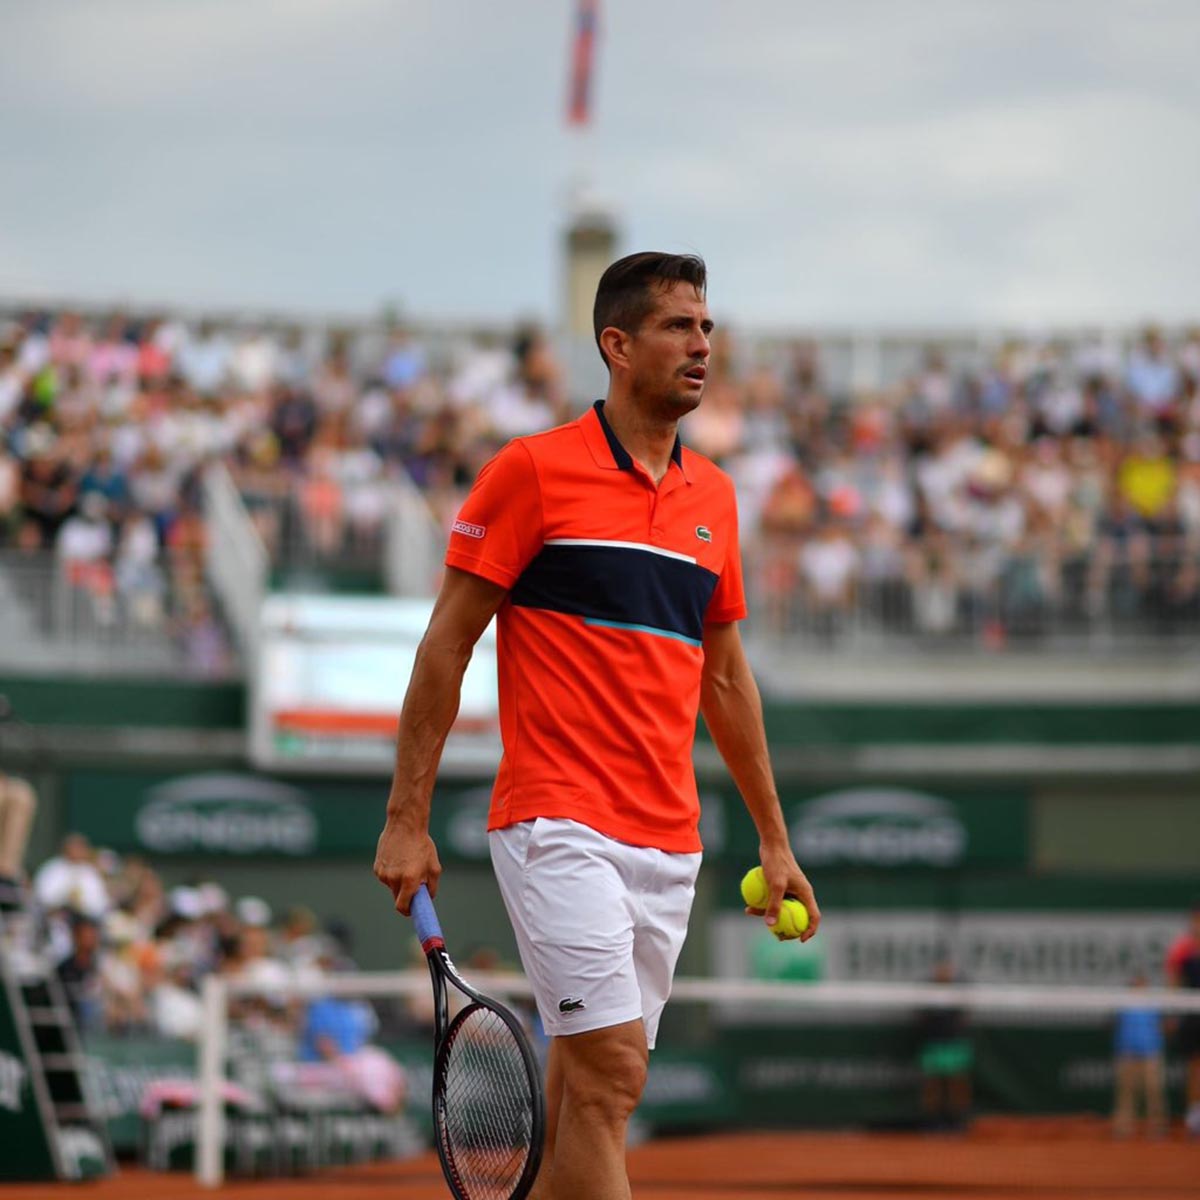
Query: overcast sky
point(856, 162)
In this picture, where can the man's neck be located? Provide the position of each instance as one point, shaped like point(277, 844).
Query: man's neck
point(648, 441)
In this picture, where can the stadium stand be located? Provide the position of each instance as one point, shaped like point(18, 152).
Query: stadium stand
point(968, 493)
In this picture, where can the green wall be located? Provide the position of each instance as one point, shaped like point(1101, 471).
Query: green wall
point(1072, 838)
point(156, 704)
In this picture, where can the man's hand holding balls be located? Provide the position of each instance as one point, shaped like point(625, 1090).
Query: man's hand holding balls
point(789, 911)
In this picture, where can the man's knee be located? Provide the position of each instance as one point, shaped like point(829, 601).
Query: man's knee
point(607, 1072)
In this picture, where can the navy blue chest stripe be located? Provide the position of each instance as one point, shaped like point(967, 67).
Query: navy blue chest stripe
point(619, 585)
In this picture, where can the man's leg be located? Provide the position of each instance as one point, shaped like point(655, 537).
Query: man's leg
point(602, 1074)
point(1124, 1109)
point(1155, 1079)
point(17, 805)
point(958, 1090)
point(543, 1188)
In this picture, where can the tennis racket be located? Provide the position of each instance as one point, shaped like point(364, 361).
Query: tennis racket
point(489, 1113)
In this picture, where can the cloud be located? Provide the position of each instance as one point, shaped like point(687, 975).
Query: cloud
point(864, 161)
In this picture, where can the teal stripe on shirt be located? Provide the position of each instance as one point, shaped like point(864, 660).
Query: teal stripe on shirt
point(667, 633)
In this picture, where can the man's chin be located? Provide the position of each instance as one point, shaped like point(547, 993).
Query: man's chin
point(678, 404)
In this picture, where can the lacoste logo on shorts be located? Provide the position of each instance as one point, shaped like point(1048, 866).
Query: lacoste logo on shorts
point(704, 533)
point(570, 1004)
point(465, 527)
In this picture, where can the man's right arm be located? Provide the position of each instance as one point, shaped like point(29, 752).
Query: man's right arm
point(406, 856)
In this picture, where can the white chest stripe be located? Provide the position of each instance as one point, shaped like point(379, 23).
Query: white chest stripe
point(621, 546)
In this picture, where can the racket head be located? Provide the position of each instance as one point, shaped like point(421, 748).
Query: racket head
point(489, 1115)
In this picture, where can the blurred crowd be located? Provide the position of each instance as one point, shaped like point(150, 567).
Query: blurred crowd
point(107, 423)
point(132, 956)
point(1037, 485)
point(1050, 486)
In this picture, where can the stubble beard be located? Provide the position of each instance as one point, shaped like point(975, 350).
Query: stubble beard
point(675, 402)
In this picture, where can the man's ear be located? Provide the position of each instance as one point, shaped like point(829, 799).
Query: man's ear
point(615, 344)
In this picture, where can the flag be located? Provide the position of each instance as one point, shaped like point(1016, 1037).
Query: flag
point(582, 54)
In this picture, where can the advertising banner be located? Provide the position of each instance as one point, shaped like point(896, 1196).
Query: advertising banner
point(247, 814)
point(330, 678)
point(1046, 948)
point(891, 827)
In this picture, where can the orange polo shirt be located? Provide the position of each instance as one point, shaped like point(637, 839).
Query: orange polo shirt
point(612, 581)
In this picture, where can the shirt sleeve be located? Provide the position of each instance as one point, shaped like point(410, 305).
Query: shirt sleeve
point(728, 601)
point(499, 527)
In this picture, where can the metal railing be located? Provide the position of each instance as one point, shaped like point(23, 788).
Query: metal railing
point(979, 599)
point(415, 541)
point(58, 616)
point(321, 535)
point(237, 562)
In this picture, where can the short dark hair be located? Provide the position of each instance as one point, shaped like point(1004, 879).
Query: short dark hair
point(625, 293)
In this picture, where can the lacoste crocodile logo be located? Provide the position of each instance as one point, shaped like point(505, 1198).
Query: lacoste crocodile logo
point(570, 1004)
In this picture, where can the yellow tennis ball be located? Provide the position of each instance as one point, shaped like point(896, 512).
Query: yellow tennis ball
point(754, 888)
point(793, 920)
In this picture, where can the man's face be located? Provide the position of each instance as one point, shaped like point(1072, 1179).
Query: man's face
point(86, 937)
point(254, 942)
point(668, 355)
point(76, 849)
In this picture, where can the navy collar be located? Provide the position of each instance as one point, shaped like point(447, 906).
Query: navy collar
point(621, 456)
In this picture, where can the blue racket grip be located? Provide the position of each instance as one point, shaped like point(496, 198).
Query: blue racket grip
point(424, 918)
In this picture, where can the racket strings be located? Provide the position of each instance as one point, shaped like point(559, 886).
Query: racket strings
point(487, 1117)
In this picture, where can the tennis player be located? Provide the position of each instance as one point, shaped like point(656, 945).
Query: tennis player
point(610, 554)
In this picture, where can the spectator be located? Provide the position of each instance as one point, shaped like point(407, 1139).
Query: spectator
point(404, 367)
point(334, 1026)
point(139, 579)
point(1152, 377)
point(829, 569)
point(10, 494)
point(72, 881)
point(532, 400)
point(336, 1033)
point(1035, 480)
point(1183, 971)
point(300, 944)
point(12, 379)
point(48, 486)
point(79, 973)
point(204, 360)
point(84, 545)
point(946, 1059)
point(257, 966)
point(87, 538)
point(173, 1008)
point(107, 479)
point(1147, 477)
point(120, 975)
point(1140, 1071)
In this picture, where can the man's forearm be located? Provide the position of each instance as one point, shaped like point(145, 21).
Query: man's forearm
point(430, 707)
point(732, 710)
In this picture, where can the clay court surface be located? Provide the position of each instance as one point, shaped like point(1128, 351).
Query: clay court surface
point(995, 1161)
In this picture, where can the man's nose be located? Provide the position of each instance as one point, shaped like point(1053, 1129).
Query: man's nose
point(698, 344)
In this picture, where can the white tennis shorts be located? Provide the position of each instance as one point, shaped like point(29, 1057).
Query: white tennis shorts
point(599, 923)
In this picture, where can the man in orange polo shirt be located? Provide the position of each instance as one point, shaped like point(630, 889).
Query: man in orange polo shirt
point(608, 553)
